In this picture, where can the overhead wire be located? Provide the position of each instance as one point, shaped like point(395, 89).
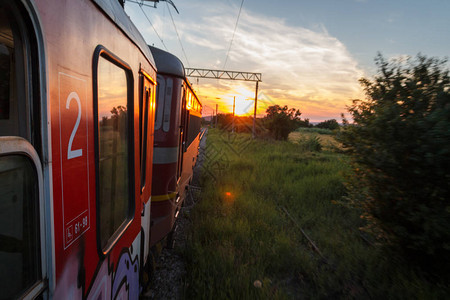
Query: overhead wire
point(178, 36)
point(234, 32)
point(140, 6)
point(163, 31)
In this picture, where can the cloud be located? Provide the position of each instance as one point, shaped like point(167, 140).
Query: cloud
point(302, 68)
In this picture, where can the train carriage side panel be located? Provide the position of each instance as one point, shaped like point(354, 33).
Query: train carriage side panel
point(94, 69)
point(167, 127)
point(192, 138)
point(76, 79)
point(25, 251)
point(170, 178)
point(171, 171)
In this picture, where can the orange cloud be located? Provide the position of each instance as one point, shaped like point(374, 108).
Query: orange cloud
point(310, 70)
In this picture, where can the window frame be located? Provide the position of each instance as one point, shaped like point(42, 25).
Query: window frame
point(102, 52)
point(33, 131)
point(12, 145)
point(160, 100)
point(144, 107)
point(27, 72)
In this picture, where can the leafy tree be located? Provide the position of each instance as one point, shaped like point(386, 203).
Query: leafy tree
point(280, 121)
point(305, 123)
point(328, 124)
point(400, 145)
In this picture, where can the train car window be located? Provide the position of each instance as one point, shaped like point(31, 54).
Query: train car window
point(114, 114)
point(177, 105)
point(144, 132)
point(160, 92)
point(187, 126)
point(167, 104)
point(181, 138)
point(21, 223)
point(193, 128)
point(6, 67)
point(189, 100)
point(21, 220)
point(19, 235)
point(14, 49)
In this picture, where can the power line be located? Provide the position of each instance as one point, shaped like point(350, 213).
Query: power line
point(232, 38)
point(140, 6)
point(141, 2)
point(178, 36)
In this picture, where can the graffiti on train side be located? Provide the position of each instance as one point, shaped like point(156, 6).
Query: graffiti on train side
point(121, 284)
point(124, 284)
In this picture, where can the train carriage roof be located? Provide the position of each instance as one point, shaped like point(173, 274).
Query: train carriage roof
point(115, 11)
point(167, 63)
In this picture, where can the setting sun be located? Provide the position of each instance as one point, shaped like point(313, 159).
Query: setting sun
point(314, 101)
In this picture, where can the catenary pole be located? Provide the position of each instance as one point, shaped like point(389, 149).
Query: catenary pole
point(254, 112)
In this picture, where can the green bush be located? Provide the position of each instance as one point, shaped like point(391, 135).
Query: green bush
point(400, 145)
point(328, 124)
point(280, 121)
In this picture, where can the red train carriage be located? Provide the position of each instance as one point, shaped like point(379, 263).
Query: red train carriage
point(77, 102)
point(176, 141)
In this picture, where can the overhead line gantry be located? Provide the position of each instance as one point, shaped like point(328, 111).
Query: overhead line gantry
point(223, 74)
point(230, 75)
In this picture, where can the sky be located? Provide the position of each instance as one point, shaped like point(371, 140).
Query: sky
point(311, 53)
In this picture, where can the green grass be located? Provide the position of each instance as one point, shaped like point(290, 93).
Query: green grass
point(315, 130)
point(306, 136)
point(244, 236)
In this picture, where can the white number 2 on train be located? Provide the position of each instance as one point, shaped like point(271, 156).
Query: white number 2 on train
point(79, 152)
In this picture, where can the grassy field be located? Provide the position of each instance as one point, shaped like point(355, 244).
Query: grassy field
point(325, 136)
point(268, 226)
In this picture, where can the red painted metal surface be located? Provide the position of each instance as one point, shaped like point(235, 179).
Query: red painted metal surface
point(175, 155)
point(73, 30)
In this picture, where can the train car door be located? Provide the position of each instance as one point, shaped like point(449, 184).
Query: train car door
point(23, 221)
point(181, 135)
point(146, 123)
